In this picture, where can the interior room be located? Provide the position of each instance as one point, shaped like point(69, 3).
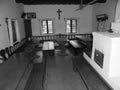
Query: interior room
point(59, 44)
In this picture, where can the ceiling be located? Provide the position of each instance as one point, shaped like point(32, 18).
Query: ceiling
point(39, 2)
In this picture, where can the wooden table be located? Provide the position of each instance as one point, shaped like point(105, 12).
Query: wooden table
point(48, 45)
point(48, 48)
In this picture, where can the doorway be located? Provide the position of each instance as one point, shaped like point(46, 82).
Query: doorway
point(28, 28)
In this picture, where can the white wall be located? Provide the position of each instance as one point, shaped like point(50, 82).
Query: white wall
point(68, 11)
point(104, 8)
point(9, 9)
point(108, 44)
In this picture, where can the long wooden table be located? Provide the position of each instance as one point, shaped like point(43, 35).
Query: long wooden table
point(48, 48)
point(48, 45)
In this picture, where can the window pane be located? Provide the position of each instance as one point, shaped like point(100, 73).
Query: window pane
point(47, 26)
point(43, 23)
point(50, 26)
point(68, 22)
point(73, 22)
point(44, 30)
point(68, 26)
point(74, 26)
point(44, 27)
point(74, 29)
point(50, 31)
point(68, 29)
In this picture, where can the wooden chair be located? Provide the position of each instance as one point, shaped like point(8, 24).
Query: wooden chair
point(11, 50)
point(61, 40)
point(4, 54)
point(8, 51)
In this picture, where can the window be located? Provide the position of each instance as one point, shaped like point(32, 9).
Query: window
point(47, 26)
point(71, 25)
point(13, 31)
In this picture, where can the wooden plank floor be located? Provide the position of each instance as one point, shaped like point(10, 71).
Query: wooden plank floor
point(60, 74)
point(34, 81)
point(91, 78)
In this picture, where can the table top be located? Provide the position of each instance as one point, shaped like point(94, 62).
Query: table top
point(48, 45)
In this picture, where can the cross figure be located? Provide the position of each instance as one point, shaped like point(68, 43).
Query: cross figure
point(59, 11)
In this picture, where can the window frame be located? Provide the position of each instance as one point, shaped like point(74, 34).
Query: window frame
point(16, 28)
point(71, 31)
point(47, 19)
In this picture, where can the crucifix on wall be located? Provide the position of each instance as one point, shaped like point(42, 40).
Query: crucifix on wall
point(59, 12)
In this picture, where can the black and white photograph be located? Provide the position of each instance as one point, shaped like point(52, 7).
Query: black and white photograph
point(59, 44)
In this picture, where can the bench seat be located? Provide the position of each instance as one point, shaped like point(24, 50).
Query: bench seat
point(76, 46)
point(74, 43)
point(88, 53)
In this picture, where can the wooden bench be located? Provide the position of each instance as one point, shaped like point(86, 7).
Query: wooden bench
point(16, 69)
point(48, 48)
point(36, 78)
point(87, 42)
point(88, 74)
point(75, 45)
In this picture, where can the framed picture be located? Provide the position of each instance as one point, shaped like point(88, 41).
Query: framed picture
point(31, 15)
point(101, 26)
point(101, 21)
point(102, 17)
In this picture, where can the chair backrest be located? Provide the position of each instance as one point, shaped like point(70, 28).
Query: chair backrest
point(3, 54)
point(8, 51)
point(61, 38)
point(11, 50)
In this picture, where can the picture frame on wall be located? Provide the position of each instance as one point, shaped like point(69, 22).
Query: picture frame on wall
point(101, 26)
point(31, 15)
point(101, 21)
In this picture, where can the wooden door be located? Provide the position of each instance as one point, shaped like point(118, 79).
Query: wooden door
point(28, 28)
